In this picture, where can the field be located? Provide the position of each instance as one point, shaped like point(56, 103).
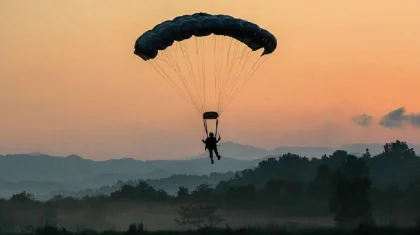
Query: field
point(365, 230)
point(159, 219)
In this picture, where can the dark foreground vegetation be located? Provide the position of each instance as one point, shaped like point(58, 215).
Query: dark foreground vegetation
point(340, 191)
point(133, 230)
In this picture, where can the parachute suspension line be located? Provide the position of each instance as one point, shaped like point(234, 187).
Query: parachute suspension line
point(218, 58)
point(189, 66)
point(255, 67)
point(226, 81)
point(192, 101)
point(204, 72)
point(231, 66)
point(205, 127)
point(220, 68)
point(200, 60)
point(231, 81)
point(233, 58)
point(231, 70)
point(236, 77)
point(199, 70)
point(175, 67)
point(217, 126)
point(168, 79)
point(227, 67)
point(251, 73)
point(229, 61)
point(204, 130)
point(215, 69)
point(199, 75)
point(245, 54)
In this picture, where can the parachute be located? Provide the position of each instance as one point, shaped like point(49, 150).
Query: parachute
point(206, 58)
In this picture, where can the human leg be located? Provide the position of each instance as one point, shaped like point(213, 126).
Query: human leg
point(217, 153)
point(211, 155)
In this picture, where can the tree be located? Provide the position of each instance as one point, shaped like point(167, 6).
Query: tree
point(198, 216)
point(399, 148)
point(203, 192)
point(23, 197)
point(397, 164)
point(337, 159)
point(366, 156)
point(323, 175)
point(321, 186)
point(183, 193)
point(241, 196)
point(412, 198)
point(350, 201)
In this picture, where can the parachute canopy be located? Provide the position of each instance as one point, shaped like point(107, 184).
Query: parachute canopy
point(206, 58)
point(184, 27)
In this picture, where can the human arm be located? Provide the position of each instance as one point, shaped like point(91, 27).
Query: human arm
point(218, 139)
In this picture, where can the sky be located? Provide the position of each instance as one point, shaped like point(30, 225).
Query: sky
point(70, 83)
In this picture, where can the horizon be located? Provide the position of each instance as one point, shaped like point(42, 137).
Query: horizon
point(71, 84)
point(200, 155)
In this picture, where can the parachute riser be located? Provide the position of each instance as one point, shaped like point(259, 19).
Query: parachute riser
point(206, 129)
point(210, 116)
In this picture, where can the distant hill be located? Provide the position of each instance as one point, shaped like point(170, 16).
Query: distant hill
point(8, 188)
point(23, 167)
point(237, 151)
point(41, 173)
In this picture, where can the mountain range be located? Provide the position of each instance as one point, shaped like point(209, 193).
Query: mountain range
point(40, 173)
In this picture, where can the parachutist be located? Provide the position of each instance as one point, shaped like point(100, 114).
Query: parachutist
point(166, 43)
point(211, 145)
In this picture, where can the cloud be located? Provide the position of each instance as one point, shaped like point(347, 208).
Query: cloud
point(363, 120)
point(397, 118)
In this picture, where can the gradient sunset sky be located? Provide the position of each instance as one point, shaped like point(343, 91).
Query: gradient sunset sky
point(70, 83)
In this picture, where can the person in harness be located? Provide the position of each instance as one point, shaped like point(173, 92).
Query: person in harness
point(211, 145)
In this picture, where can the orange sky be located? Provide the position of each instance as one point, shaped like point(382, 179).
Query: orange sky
point(69, 82)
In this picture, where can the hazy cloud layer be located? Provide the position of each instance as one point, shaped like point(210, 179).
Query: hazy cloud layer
point(397, 118)
point(363, 120)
